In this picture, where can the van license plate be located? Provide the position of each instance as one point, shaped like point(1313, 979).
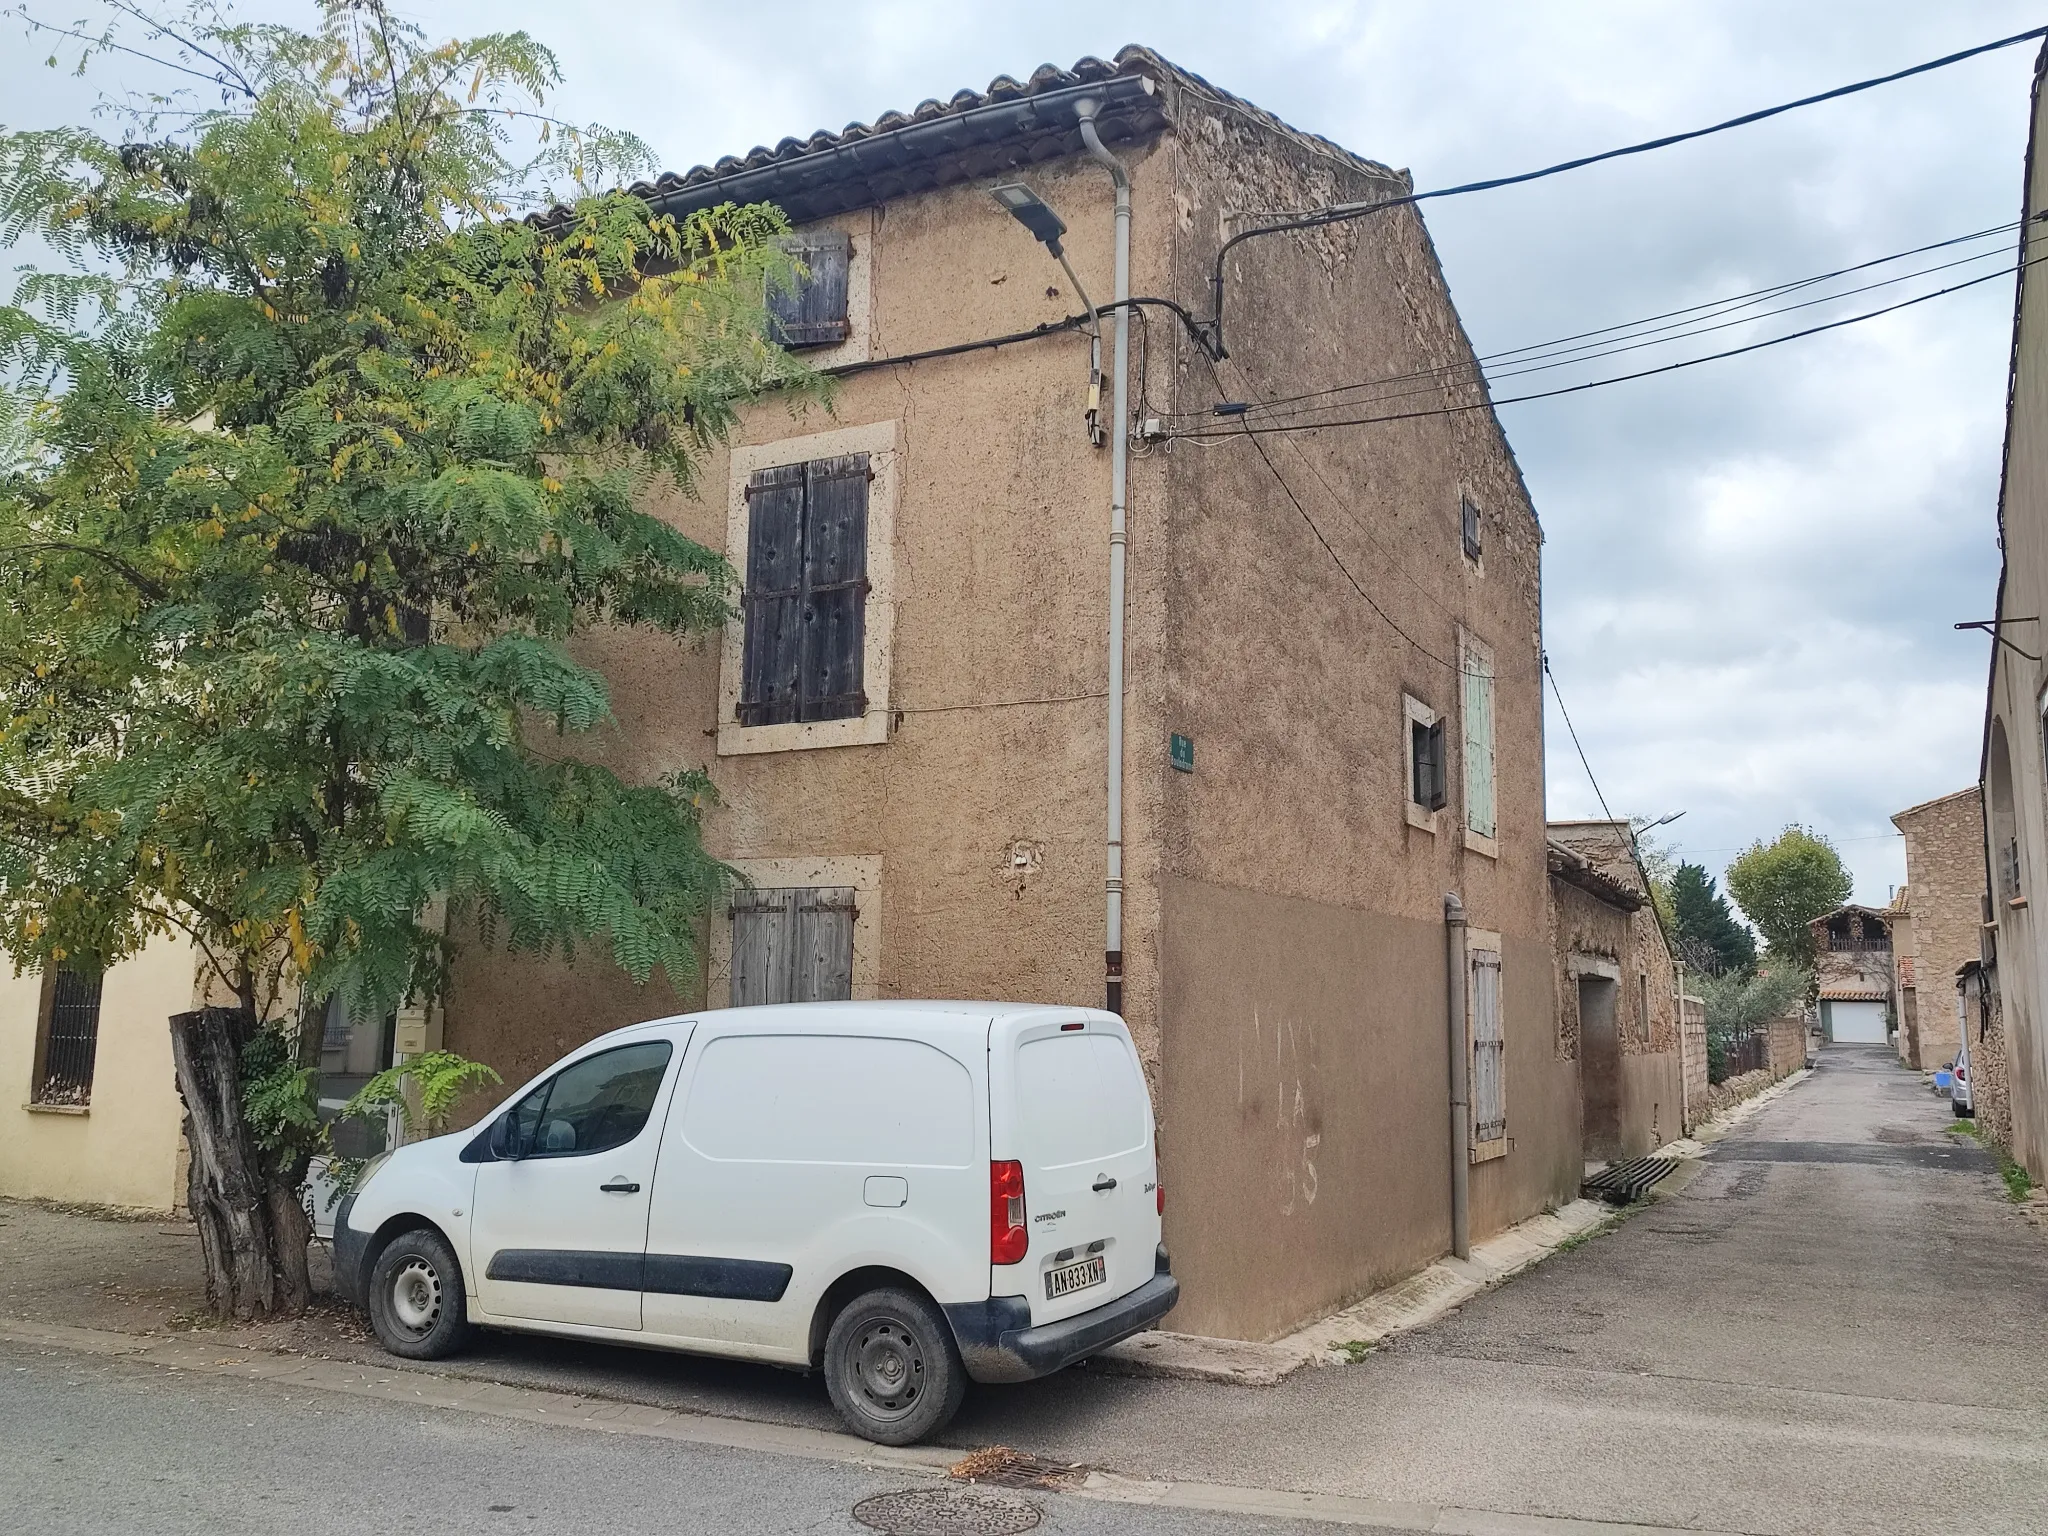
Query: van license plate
point(1074, 1277)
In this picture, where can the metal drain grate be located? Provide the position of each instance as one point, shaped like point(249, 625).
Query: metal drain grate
point(1625, 1183)
point(946, 1512)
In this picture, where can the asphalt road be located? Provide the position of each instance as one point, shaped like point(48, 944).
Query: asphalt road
point(94, 1445)
point(1835, 1328)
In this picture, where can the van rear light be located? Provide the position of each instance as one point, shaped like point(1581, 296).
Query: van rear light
point(1160, 1186)
point(1007, 1239)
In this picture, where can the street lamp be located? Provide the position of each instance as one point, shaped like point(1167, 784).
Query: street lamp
point(1033, 212)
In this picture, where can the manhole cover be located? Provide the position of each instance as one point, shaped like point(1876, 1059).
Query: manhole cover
point(945, 1512)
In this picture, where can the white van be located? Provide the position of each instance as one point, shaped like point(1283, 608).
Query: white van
point(904, 1195)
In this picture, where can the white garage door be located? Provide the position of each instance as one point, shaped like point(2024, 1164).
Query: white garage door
point(1857, 1023)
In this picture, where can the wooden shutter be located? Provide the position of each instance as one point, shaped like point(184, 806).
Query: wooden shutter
point(1489, 1051)
point(812, 312)
point(792, 945)
point(763, 946)
point(1478, 674)
point(835, 586)
point(772, 603)
point(824, 946)
point(1427, 772)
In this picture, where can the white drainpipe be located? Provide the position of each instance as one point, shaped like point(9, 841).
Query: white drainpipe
point(1119, 469)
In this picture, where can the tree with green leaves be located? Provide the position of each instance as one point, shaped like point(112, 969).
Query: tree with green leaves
point(1740, 1003)
point(315, 460)
point(1785, 884)
point(1707, 934)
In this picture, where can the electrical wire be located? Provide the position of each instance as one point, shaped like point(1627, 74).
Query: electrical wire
point(1622, 336)
point(1340, 212)
point(1622, 378)
point(1479, 376)
point(1634, 852)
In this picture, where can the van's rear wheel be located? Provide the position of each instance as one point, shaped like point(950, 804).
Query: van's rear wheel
point(416, 1302)
point(892, 1368)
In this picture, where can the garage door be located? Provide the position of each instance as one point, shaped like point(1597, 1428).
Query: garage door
point(1856, 1023)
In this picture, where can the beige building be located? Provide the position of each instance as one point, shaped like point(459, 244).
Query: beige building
point(1617, 994)
point(951, 764)
point(2014, 776)
point(1330, 714)
point(89, 1112)
point(1937, 921)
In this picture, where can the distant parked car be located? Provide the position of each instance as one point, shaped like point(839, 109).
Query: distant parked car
point(902, 1195)
point(1959, 1086)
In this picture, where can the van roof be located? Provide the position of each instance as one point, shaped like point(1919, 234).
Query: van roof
point(849, 1015)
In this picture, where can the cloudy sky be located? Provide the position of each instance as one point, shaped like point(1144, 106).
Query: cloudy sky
point(1752, 566)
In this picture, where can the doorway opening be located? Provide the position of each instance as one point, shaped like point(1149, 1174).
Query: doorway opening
point(1600, 1067)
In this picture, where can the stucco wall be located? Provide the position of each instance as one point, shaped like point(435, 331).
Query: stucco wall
point(1290, 683)
point(2016, 779)
point(123, 1150)
point(985, 799)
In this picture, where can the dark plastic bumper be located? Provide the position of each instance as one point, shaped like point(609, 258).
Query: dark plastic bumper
point(351, 1250)
point(998, 1344)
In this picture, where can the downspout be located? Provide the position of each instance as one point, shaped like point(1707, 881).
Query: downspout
point(1461, 1086)
point(1119, 472)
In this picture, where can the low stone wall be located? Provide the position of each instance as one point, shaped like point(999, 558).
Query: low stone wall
point(1693, 1061)
point(1727, 1095)
point(1788, 1043)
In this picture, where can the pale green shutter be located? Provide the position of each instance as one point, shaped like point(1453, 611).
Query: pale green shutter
point(1478, 742)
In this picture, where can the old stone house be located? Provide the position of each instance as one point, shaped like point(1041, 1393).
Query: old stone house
point(951, 764)
point(1618, 1001)
point(2013, 774)
point(1937, 922)
point(1853, 971)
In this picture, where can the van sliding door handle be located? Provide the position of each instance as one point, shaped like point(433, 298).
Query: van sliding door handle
point(620, 1187)
point(1102, 1183)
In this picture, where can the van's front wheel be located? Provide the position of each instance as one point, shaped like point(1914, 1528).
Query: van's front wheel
point(892, 1368)
point(416, 1303)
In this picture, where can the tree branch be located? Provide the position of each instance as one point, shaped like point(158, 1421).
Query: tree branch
point(115, 563)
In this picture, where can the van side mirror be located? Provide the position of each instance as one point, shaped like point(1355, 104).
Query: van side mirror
point(505, 1140)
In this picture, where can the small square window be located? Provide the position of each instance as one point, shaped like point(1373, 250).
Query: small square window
point(1468, 517)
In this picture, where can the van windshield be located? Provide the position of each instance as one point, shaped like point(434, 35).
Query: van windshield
point(1079, 1098)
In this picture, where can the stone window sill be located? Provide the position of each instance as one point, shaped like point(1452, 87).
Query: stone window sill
point(1421, 819)
point(1485, 847)
point(58, 1109)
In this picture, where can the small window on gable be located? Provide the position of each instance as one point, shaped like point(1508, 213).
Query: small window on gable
point(812, 310)
point(1426, 773)
point(1468, 518)
point(804, 606)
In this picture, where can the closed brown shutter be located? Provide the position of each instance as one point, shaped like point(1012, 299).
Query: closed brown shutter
point(804, 607)
point(836, 586)
point(772, 603)
point(812, 312)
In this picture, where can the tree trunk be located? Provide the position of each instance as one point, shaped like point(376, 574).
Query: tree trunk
point(252, 1230)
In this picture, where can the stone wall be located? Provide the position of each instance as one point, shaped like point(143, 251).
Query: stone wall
point(1693, 1061)
point(1945, 886)
point(1990, 1072)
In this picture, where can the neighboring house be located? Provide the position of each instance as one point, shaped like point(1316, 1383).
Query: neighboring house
point(1329, 687)
point(1852, 949)
point(1943, 921)
point(2013, 773)
point(1617, 994)
point(89, 1109)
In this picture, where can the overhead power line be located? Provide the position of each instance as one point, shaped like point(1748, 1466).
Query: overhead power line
point(1256, 428)
point(1676, 325)
point(1340, 212)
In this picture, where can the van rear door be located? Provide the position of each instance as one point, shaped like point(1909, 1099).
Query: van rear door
point(1068, 1102)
